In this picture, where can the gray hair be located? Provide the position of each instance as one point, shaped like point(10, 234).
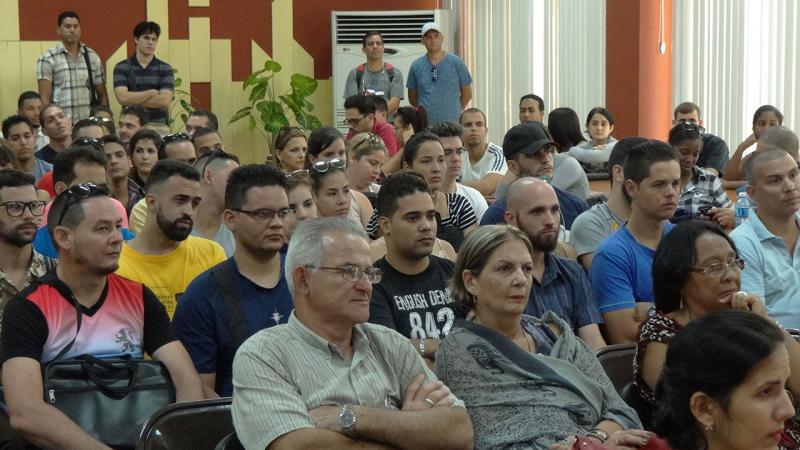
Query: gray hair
point(306, 247)
point(779, 137)
point(763, 156)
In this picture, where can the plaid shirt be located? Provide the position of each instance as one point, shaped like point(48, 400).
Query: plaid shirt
point(704, 189)
point(70, 78)
point(37, 268)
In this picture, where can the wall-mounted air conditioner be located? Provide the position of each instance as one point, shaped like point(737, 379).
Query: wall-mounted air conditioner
point(401, 42)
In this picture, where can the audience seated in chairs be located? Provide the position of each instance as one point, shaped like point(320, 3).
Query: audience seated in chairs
point(527, 382)
point(696, 271)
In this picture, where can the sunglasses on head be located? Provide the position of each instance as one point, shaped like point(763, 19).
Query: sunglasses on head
point(324, 166)
point(90, 142)
point(174, 137)
point(80, 191)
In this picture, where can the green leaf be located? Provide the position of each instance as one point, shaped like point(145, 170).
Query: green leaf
point(272, 66)
point(303, 85)
point(186, 105)
point(291, 104)
point(244, 112)
point(312, 122)
point(273, 116)
point(184, 117)
point(176, 83)
point(259, 91)
point(252, 125)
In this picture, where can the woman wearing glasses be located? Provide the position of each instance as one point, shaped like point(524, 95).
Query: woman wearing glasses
point(326, 144)
point(291, 147)
point(366, 153)
point(702, 194)
point(696, 271)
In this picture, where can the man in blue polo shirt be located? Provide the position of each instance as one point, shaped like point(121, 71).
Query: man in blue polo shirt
point(144, 79)
point(233, 300)
point(559, 284)
point(622, 267)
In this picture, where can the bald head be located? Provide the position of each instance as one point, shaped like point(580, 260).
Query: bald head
point(781, 138)
point(525, 189)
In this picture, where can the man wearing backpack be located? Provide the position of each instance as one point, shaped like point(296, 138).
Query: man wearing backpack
point(375, 77)
point(233, 300)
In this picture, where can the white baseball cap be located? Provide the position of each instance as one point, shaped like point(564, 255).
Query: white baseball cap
point(431, 26)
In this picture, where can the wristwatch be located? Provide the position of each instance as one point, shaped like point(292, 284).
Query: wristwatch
point(347, 420)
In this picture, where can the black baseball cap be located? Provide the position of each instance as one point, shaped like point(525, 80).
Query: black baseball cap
point(527, 138)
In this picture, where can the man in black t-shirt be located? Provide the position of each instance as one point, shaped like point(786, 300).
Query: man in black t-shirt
point(412, 296)
point(118, 316)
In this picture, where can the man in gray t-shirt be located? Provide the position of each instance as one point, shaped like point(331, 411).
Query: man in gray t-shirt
point(375, 77)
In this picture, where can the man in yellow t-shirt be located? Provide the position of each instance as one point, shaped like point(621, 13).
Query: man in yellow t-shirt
point(163, 256)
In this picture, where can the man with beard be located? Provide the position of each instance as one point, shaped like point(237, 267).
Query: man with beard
point(163, 256)
point(214, 168)
point(227, 304)
point(21, 141)
point(559, 284)
point(767, 240)
point(412, 297)
point(20, 216)
point(29, 106)
point(58, 128)
point(131, 119)
point(84, 223)
point(485, 164)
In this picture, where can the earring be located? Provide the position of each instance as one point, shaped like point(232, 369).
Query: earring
point(709, 427)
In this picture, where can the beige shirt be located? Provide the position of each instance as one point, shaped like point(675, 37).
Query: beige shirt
point(284, 371)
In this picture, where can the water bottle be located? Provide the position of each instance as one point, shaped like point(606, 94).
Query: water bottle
point(742, 208)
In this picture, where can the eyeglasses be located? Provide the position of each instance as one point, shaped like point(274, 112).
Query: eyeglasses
point(718, 269)
point(324, 166)
point(266, 214)
point(89, 141)
point(353, 122)
point(76, 193)
point(216, 153)
point(16, 209)
point(434, 74)
point(351, 272)
point(691, 126)
point(174, 137)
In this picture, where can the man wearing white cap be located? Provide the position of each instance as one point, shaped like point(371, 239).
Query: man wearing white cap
point(439, 81)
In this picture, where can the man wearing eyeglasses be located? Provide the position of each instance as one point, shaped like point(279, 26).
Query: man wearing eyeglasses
point(412, 297)
point(768, 239)
point(359, 113)
point(376, 77)
point(20, 216)
point(328, 379)
point(214, 167)
point(164, 256)
point(233, 300)
point(715, 153)
point(439, 80)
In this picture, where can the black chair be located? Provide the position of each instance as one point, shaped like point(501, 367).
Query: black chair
point(195, 425)
point(642, 408)
point(229, 442)
point(617, 361)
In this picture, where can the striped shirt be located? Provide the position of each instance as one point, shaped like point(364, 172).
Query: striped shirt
point(492, 161)
point(283, 372)
point(460, 215)
point(70, 78)
point(157, 75)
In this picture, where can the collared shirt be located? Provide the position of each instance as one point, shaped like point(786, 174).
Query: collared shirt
point(36, 269)
point(704, 189)
point(283, 372)
point(70, 78)
point(771, 270)
point(566, 291)
point(157, 75)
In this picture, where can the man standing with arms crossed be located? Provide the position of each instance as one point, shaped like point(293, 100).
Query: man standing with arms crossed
point(64, 71)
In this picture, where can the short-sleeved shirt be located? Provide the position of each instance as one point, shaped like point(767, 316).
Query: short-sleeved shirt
point(715, 153)
point(704, 189)
point(570, 205)
point(569, 176)
point(459, 209)
point(40, 169)
point(417, 306)
point(127, 320)
point(376, 82)
point(439, 94)
point(46, 154)
point(592, 227)
point(36, 268)
point(622, 271)
point(202, 323)
point(492, 161)
point(566, 291)
point(223, 237)
point(169, 275)
point(70, 78)
point(283, 372)
point(475, 198)
point(157, 75)
point(772, 270)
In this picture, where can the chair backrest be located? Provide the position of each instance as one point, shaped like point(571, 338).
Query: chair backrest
point(635, 401)
point(198, 425)
point(229, 442)
point(617, 361)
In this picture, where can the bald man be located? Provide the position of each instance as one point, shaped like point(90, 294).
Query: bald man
point(559, 284)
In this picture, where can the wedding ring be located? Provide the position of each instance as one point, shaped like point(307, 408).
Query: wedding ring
point(429, 401)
